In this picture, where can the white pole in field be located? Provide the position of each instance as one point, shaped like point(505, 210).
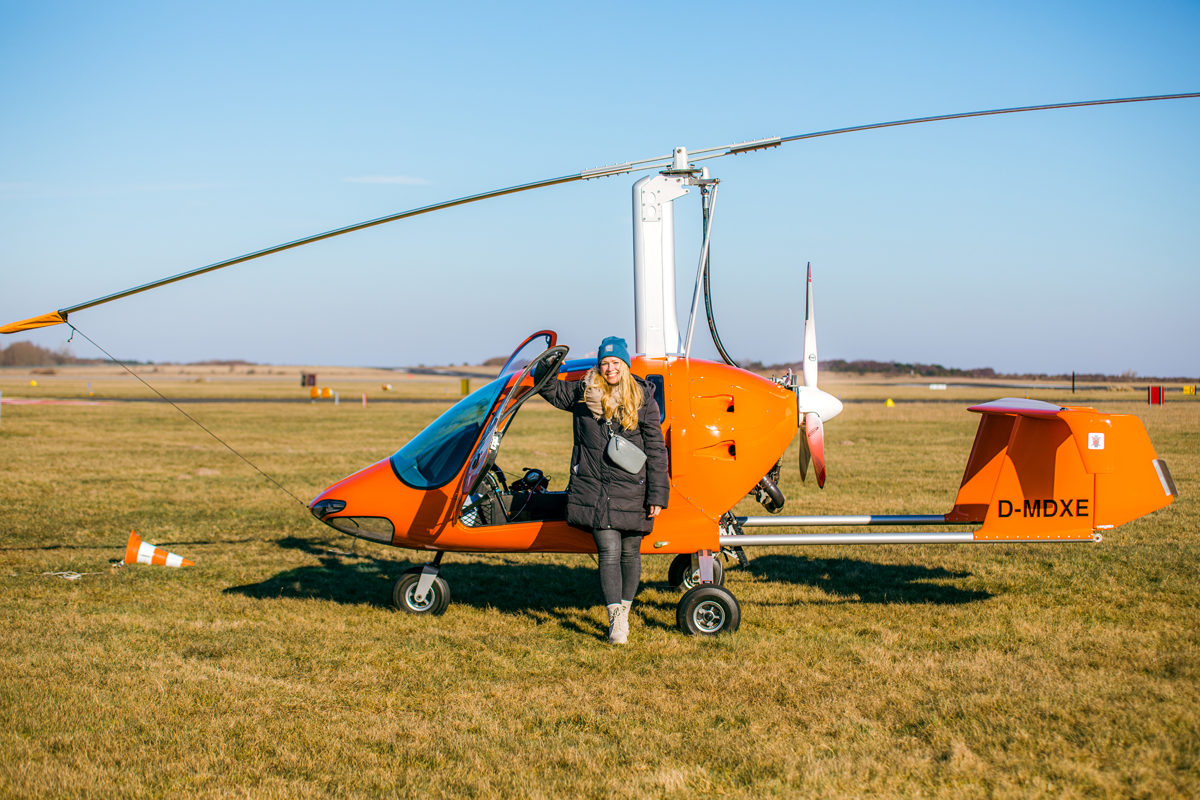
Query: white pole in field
point(336, 399)
point(364, 399)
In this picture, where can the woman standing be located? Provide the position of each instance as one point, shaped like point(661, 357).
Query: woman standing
point(617, 506)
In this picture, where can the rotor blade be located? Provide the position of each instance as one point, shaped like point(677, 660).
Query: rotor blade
point(775, 141)
point(815, 435)
point(327, 235)
point(617, 169)
point(55, 318)
point(805, 453)
point(810, 334)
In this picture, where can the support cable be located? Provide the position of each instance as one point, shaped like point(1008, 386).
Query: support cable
point(189, 416)
point(708, 309)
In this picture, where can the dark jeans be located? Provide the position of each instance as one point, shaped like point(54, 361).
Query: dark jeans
point(620, 563)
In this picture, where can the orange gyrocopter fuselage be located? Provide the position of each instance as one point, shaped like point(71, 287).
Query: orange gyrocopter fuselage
point(724, 427)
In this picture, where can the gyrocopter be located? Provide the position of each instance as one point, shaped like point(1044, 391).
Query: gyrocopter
point(1037, 472)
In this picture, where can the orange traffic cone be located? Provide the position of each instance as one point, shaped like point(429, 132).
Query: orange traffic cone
point(139, 552)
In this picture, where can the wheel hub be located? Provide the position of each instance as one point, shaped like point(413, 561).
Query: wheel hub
point(709, 616)
point(410, 597)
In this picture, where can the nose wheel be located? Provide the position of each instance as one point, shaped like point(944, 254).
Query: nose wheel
point(708, 610)
point(421, 590)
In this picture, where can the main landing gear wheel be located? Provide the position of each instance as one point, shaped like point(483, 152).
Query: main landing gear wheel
point(404, 595)
point(708, 610)
point(682, 575)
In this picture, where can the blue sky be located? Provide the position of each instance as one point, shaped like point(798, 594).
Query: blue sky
point(141, 140)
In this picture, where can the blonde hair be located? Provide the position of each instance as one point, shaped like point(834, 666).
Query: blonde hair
point(623, 404)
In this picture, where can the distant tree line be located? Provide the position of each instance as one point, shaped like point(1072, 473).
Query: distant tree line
point(28, 354)
point(899, 369)
point(888, 368)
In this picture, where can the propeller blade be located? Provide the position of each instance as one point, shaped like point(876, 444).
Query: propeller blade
point(815, 439)
point(805, 453)
point(810, 334)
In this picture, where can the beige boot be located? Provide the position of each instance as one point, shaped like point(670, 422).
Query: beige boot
point(618, 623)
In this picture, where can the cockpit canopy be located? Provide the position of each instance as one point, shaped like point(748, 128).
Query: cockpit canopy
point(434, 456)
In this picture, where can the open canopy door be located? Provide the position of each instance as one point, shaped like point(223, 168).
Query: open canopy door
point(528, 350)
point(520, 387)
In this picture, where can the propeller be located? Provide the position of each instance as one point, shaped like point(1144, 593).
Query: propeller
point(814, 407)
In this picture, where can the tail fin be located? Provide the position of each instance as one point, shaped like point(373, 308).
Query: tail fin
point(1039, 471)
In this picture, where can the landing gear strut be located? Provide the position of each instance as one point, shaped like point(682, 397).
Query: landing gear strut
point(684, 572)
point(706, 609)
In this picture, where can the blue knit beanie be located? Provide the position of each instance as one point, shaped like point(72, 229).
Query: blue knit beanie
point(613, 346)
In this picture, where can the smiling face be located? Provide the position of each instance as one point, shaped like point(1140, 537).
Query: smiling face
point(610, 368)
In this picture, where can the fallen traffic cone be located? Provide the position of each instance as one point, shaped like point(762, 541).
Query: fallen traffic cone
point(139, 552)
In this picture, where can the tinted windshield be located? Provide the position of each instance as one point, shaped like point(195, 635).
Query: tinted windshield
point(435, 455)
point(533, 348)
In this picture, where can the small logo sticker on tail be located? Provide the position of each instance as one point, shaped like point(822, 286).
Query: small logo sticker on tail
point(1095, 441)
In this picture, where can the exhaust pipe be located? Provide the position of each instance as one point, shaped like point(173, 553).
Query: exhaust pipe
point(769, 495)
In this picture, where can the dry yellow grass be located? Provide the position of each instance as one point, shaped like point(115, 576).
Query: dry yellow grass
point(276, 668)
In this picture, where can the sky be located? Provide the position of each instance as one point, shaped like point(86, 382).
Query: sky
point(139, 140)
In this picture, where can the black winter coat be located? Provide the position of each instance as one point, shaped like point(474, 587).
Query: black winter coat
point(601, 494)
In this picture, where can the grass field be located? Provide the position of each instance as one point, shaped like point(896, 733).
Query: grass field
point(277, 668)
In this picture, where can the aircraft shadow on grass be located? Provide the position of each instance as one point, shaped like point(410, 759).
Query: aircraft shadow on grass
point(567, 594)
point(547, 591)
point(868, 581)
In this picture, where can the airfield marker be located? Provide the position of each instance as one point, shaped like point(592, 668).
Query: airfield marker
point(139, 552)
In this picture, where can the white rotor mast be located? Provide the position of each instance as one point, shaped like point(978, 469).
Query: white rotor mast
point(656, 320)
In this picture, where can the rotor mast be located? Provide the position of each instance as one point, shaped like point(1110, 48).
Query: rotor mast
point(656, 317)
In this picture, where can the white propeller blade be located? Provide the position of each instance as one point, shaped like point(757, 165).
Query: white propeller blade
point(810, 334)
point(814, 406)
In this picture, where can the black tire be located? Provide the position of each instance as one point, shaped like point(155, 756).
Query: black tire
point(436, 600)
point(708, 610)
point(682, 576)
